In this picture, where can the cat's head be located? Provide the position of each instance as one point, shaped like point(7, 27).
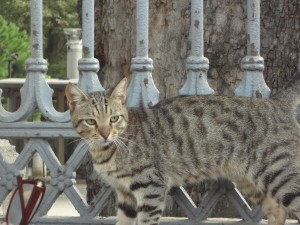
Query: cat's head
point(98, 118)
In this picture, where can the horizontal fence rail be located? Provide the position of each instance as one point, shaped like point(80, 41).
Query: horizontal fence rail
point(36, 94)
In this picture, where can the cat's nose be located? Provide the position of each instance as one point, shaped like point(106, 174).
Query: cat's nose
point(104, 132)
point(104, 135)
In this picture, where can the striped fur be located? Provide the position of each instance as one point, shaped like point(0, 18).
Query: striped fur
point(142, 153)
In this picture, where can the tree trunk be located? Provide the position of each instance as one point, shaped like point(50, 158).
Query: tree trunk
point(225, 41)
point(169, 46)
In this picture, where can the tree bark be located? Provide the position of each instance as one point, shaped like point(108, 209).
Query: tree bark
point(169, 46)
point(225, 41)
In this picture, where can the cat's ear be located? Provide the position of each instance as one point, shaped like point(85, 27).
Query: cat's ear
point(74, 95)
point(120, 91)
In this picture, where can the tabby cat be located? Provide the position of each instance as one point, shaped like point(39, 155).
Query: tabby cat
point(142, 153)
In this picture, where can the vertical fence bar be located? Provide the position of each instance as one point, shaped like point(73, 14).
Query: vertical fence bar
point(36, 63)
point(141, 91)
point(197, 65)
point(36, 29)
point(88, 66)
point(142, 20)
point(197, 28)
point(253, 83)
point(88, 28)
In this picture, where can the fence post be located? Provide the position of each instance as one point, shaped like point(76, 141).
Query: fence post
point(197, 65)
point(36, 63)
point(253, 83)
point(74, 51)
point(141, 91)
point(88, 66)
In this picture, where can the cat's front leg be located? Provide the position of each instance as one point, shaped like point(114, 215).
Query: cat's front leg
point(127, 208)
point(150, 204)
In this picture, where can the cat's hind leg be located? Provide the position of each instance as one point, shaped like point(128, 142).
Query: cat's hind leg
point(286, 190)
point(290, 198)
point(127, 208)
point(275, 212)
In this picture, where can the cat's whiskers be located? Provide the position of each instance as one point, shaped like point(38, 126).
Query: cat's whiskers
point(122, 145)
point(91, 142)
point(119, 145)
point(119, 148)
point(76, 140)
point(86, 147)
point(126, 139)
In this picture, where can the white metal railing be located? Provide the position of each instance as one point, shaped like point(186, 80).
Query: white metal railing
point(36, 93)
point(197, 65)
point(253, 83)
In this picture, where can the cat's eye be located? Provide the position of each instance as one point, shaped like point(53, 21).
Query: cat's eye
point(114, 119)
point(90, 122)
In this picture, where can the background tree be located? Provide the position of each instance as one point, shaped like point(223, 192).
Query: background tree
point(14, 49)
point(225, 41)
point(169, 46)
point(57, 15)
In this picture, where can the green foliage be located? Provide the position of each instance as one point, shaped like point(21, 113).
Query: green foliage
point(12, 41)
point(57, 15)
point(17, 12)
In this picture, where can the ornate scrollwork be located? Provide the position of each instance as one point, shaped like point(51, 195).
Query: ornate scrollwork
point(63, 177)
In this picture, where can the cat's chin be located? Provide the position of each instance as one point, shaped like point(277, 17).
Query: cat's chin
point(104, 143)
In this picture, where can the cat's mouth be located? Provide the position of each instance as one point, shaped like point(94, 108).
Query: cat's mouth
point(99, 143)
point(106, 141)
point(102, 141)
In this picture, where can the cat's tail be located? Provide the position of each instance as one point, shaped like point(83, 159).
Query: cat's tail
point(290, 93)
